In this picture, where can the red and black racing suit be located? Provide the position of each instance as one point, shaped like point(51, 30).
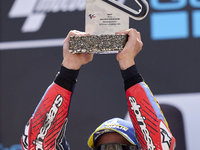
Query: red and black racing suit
point(46, 128)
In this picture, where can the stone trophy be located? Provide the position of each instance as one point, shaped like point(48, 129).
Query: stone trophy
point(102, 19)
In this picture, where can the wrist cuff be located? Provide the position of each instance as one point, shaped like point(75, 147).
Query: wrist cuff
point(131, 77)
point(66, 78)
point(68, 73)
point(131, 71)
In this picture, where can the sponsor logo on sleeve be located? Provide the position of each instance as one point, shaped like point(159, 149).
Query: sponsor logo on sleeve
point(25, 137)
point(166, 137)
point(136, 108)
point(61, 136)
point(50, 116)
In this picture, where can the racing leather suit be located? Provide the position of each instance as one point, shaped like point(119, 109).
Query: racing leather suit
point(46, 128)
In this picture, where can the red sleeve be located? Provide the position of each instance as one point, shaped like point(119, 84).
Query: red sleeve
point(150, 125)
point(46, 128)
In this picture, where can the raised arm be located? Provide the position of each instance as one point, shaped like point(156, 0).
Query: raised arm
point(46, 128)
point(152, 130)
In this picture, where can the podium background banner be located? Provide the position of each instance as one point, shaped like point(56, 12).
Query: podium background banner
point(31, 36)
